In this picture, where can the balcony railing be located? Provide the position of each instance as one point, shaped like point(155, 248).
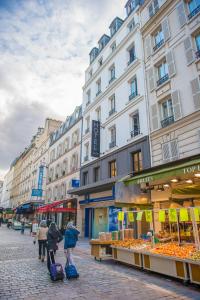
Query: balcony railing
point(133, 95)
point(98, 93)
point(87, 103)
point(87, 130)
point(111, 112)
point(112, 144)
point(194, 12)
point(166, 122)
point(135, 132)
point(158, 45)
point(163, 79)
point(86, 158)
point(132, 59)
point(197, 54)
point(111, 80)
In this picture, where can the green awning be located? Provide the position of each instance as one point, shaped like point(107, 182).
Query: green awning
point(189, 168)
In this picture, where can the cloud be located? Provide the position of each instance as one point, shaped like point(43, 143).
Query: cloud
point(44, 51)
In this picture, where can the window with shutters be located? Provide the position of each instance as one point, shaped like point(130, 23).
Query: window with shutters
point(112, 168)
point(163, 74)
point(98, 85)
point(88, 97)
point(197, 42)
point(170, 151)
point(131, 54)
point(195, 85)
point(112, 137)
point(137, 161)
point(167, 113)
point(193, 7)
point(135, 124)
point(112, 105)
point(112, 73)
point(158, 38)
point(133, 88)
point(86, 146)
point(153, 8)
point(87, 127)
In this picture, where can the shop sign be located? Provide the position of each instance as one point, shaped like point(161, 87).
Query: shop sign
point(191, 169)
point(95, 145)
point(145, 179)
point(40, 178)
point(36, 193)
point(75, 183)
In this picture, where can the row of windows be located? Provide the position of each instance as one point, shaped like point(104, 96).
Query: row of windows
point(134, 132)
point(136, 166)
point(112, 74)
point(64, 168)
point(64, 147)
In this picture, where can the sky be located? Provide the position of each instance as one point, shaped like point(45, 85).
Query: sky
point(44, 52)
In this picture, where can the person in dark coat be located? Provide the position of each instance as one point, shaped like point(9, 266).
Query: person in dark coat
point(53, 238)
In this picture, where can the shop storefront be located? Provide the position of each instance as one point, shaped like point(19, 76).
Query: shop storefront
point(28, 210)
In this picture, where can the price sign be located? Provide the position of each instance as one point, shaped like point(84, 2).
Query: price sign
point(161, 216)
point(120, 216)
point(184, 215)
point(196, 214)
point(172, 215)
point(148, 216)
point(130, 216)
point(139, 216)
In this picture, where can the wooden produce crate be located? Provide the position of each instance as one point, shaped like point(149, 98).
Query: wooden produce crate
point(194, 271)
point(101, 249)
point(170, 266)
point(128, 256)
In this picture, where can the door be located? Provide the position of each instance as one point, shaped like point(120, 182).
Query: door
point(88, 222)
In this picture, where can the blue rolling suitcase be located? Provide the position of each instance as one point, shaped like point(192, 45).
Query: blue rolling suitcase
point(56, 271)
point(71, 271)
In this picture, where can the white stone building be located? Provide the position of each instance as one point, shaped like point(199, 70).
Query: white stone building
point(7, 185)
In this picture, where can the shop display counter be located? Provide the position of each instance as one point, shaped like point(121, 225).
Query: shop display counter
point(101, 249)
point(128, 256)
point(166, 265)
point(194, 271)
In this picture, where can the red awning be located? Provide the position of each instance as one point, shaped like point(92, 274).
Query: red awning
point(48, 208)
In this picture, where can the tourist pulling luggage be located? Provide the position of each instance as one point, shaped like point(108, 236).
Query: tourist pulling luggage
point(71, 237)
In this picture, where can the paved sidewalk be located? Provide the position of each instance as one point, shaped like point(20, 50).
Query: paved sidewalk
point(23, 276)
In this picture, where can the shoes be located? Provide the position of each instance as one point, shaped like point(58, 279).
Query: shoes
point(39, 257)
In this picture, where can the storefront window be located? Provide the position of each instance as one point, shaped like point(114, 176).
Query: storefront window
point(137, 161)
point(112, 168)
point(85, 178)
point(96, 174)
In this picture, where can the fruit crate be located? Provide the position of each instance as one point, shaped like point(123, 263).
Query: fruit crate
point(166, 265)
point(128, 256)
point(101, 249)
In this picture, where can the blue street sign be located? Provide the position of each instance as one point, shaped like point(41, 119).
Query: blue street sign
point(75, 183)
point(36, 193)
point(40, 178)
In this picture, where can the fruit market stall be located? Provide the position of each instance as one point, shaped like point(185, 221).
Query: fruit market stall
point(194, 267)
point(101, 248)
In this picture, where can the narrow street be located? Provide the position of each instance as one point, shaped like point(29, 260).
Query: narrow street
point(23, 276)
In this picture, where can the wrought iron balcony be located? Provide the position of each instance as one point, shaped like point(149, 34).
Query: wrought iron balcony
point(166, 122)
point(98, 93)
point(111, 112)
point(132, 59)
point(86, 158)
point(194, 12)
point(111, 79)
point(158, 45)
point(163, 79)
point(133, 95)
point(112, 144)
point(135, 132)
point(198, 54)
point(87, 130)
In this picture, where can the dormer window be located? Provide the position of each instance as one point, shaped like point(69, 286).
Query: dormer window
point(115, 25)
point(153, 8)
point(103, 41)
point(93, 54)
point(131, 5)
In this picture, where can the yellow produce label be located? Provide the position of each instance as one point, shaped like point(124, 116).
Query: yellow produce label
point(184, 215)
point(120, 216)
point(148, 216)
point(172, 215)
point(130, 216)
point(196, 214)
point(139, 216)
point(188, 233)
point(161, 216)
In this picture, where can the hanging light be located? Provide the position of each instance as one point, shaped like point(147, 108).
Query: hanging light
point(189, 181)
point(174, 180)
point(197, 175)
point(166, 185)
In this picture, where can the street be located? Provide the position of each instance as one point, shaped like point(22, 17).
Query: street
point(23, 276)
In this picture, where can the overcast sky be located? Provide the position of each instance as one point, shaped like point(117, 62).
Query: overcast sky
point(44, 47)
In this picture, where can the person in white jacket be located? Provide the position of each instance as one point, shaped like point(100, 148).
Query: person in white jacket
point(42, 239)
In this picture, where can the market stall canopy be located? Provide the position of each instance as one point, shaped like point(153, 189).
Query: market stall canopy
point(193, 191)
point(165, 172)
point(52, 207)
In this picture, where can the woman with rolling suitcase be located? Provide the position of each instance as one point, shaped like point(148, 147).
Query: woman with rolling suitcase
point(53, 238)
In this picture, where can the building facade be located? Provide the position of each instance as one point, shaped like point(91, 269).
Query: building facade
point(64, 163)
point(114, 96)
point(7, 185)
point(171, 35)
point(1, 194)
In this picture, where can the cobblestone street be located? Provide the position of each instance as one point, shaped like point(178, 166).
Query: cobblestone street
point(22, 276)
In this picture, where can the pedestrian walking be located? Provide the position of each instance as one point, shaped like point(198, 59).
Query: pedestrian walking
point(34, 230)
point(53, 238)
point(42, 239)
point(71, 238)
